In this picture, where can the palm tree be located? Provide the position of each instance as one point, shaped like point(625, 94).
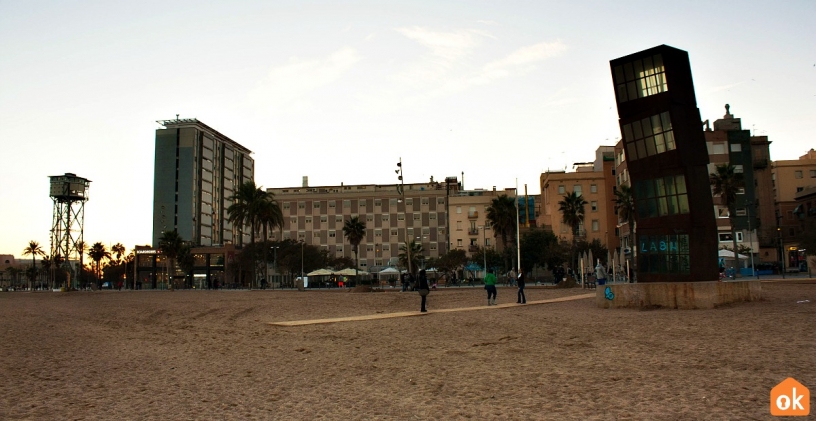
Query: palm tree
point(170, 244)
point(97, 253)
point(251, 208)
point(625, 207)
point(501, 215)
point(46, 264)
point(81, 248)
point(34, 250)
point(726, 183)
point(354, 231)
point(572, 214)
point(416, 255)
point(269, 217)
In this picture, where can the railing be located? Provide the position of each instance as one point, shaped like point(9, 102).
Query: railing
point(473, 248)
point(473, 215)
point(473, 231)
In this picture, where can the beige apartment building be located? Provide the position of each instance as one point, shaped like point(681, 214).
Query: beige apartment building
point(316, 215)
point(595, 182)
point(468, 215)
point(792, 177)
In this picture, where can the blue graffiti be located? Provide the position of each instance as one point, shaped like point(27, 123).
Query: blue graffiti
point(608, 293)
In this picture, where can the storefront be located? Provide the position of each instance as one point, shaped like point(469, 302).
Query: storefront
point(209, 269)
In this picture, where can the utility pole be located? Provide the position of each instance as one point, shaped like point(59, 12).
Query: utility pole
point(401, 191)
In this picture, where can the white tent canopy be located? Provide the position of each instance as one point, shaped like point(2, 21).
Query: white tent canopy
point(389, 271)
point(351, 272)
point(320, 272)
point(730, 255)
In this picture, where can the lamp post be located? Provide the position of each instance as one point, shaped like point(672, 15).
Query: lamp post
point(302, 243)
point(781, 250)
point(401, 191)
point(274, 263)
point(484, 249)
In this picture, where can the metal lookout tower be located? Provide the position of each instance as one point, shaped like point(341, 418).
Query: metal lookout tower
point(69, 194)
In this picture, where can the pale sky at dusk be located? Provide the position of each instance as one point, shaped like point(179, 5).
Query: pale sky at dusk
point(339, 91)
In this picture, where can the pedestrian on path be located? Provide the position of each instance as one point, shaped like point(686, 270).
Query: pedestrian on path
point(520, 282)
point(490, 286)
point(424, 290)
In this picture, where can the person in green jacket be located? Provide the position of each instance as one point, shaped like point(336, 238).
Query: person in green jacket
point(490, 286)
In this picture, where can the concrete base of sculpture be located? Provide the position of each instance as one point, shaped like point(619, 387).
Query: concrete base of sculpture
point(678, 295)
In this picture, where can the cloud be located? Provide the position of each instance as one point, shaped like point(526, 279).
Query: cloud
point(293, 82)
point(518, 62)
point(449, 46)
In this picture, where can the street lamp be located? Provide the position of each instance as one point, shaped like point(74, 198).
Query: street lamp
point(274, 262)
point(484, 249)
point(302, 243)
point(401, 191)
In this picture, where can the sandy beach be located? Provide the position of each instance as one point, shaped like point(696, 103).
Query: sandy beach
point(201, 355)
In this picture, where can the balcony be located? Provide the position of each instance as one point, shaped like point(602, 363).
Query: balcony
point(473, 231)
point(473, 215)
point(473, 248)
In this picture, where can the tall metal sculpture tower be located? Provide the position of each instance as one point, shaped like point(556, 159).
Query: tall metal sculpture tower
point(69, 194)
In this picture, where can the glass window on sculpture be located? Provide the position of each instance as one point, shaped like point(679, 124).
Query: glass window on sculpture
point(664, 254)
point(662, 196)
point(649, 136)
point(640, 78)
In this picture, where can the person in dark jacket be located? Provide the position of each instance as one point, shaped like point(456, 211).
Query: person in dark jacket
point(423, 288)
point(520, 282)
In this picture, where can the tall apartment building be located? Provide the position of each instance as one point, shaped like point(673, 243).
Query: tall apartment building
point(792, 178)
point(196, 173)
point(595, 182)
point(728, 143)
point(316, 215)
point(470, 229)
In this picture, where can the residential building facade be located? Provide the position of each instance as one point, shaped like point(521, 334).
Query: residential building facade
point(792, 178)
point(316, 216)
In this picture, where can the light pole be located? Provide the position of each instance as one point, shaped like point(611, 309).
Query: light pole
point(302, 243)
point(401, 191)
point(275, 263)
point(484, 249)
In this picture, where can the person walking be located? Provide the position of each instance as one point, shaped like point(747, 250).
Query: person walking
point(424, 290)
point(490, 286)
point(600, 274)
point(520, 282)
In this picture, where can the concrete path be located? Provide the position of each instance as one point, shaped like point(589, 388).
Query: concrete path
point(416, 313)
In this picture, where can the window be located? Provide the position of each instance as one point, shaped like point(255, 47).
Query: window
point(386, 247)
point(649, 136)
point(301, 235)
point(562, 190)
point(664, 254)
point(738, 169)
point(286, 205)
point(722, 212)
point(369, 218)
point(378, 233)
point(308, 219)
point(361, 203)
point(594, 206)
point(324, 218)
point(440, 200)
point(812, 173)
point(369, 247)
point(797, 174)
point(593, 188)
point(426, 231)
point(385, 217)
point(417, 217)
point(425, 201)
point(409, 202)
point(433, 246)
point(347, 204)
point(339, 248)
point(596, 225)
point(316, 234)
point(316, 205)
point(363, 263)
point(661, 196)
point(400, 217)
point(640, 78)
point(301, 205)
point(332, 204)
point(576, 189)
point(726, 237)
point(392, 202)
point(459, 244)
point(487, 244)
point(741, 212)
point(798, 189)
point(293, 221)
point(393, 233)
point(459, 210)
point(432, 216)
point(458, 225)
point(736, 147)
point(377, 202)
point(338, 218)
point(332, 234)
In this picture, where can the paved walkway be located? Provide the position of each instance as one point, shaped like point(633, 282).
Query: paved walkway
point(416, 313)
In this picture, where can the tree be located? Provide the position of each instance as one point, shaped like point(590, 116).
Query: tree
point(254, 208)
point(97, 253)
point(354, 231)
point(598, 249)
point(186, 261)
point(538, 247)
point(572, 214)
point(170, 244)
point(81, 248)
point(625, 208)
point(34, 250)
point(451, 262)
point(416, 251)
point(501, 215)
point(726, 183)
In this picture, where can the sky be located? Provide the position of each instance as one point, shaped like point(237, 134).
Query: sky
point(340, 91)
